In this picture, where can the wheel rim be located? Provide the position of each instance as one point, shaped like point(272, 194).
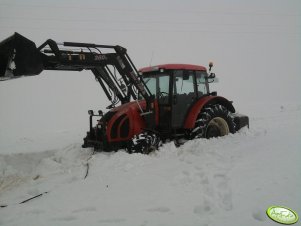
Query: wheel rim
point(217, 127)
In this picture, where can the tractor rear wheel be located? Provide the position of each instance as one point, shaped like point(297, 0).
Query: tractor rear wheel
point(144, 143)
point(213, 121)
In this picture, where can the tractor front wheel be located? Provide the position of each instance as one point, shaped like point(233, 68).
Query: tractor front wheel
point(144, 143)
point(213, 121)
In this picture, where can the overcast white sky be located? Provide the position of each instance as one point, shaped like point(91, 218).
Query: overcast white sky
point(255, 45)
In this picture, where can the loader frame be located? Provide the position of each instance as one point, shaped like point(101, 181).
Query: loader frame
point(28, 60)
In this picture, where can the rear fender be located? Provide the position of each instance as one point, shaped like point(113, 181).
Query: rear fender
point(203, 102)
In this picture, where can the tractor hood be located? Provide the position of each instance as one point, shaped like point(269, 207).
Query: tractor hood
point(123, 122)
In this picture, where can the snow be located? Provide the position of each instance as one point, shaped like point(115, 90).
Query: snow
point(230, 180)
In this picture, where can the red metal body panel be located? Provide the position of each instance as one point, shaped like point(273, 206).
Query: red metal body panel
point(197, 107)
point(173, 67)
point(132, 112)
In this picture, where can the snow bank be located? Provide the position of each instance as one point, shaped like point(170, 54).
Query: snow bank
point(230, 180)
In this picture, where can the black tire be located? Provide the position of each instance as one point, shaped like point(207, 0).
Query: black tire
point(213, 121)
point(144, 143)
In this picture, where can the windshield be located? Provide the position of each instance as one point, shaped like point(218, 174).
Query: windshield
point(157, 84)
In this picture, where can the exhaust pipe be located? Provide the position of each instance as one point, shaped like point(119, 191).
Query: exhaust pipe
point(19, 57)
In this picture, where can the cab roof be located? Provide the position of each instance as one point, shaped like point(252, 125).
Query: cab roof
point(173, 67)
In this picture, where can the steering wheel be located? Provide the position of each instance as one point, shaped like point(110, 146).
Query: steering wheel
point(160, 94)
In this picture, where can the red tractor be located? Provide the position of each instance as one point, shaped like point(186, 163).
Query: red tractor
point(156, 104)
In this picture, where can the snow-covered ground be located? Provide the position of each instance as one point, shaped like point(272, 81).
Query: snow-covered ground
point(230, 181)
point(225, 181)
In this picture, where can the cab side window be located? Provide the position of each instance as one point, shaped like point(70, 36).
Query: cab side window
point(183, 83)
point(163, 84)
point(201, 82)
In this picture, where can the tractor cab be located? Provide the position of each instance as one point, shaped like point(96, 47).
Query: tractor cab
point(176, 87)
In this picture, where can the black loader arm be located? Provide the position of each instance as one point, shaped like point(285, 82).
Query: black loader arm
point(19, 56)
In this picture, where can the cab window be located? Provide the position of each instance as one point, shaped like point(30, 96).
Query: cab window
point(158, 84)
point(201, 82)
point(183, 82)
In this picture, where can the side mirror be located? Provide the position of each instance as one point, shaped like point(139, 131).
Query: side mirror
point(211, 76)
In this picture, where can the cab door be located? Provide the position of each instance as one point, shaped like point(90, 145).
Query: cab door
point(183, 96)
point(164, 103)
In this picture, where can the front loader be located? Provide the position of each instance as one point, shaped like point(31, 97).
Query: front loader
point(154, 104)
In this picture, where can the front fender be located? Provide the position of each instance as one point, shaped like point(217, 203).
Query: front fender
point(203, 102)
